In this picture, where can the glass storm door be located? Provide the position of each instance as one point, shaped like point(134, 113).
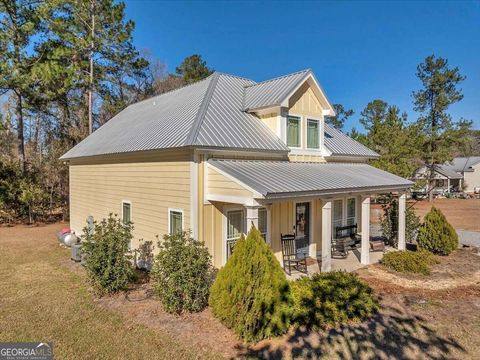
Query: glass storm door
point(302, 227)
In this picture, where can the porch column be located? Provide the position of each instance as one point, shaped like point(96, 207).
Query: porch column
point(252, 217)
point(365, 246)
point(326, 235)
point(448, 185)
point(401, 220)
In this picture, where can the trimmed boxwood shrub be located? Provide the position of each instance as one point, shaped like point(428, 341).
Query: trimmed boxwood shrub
point(419, 262)
point(107, 255)
point(330, 299)
point(436, 234)
point(182, 273)
point(251, 294)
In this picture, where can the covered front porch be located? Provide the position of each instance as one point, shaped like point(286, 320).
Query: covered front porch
point(310, 202)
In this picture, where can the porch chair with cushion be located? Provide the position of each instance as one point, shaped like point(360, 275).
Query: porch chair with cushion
point(290, 255)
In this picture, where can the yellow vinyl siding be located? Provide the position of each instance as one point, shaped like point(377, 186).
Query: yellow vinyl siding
point(218, 184)
point(214, 239)
point(151, 187)
point(271, 121)
point(472, 179)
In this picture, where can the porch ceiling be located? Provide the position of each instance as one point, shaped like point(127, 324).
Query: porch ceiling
point(283, 179)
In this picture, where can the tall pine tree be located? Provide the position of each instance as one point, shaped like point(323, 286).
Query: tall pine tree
point(19, 25)
point(440, 90)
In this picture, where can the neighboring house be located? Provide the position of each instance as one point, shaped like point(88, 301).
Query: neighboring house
point(226, 152)
point(445, 179)
point(462, 173)
point(469, 168)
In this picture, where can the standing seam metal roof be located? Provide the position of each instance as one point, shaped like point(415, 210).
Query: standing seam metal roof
point(280, 178)
point(272, 92)
point(208, 113)
point(343, 145)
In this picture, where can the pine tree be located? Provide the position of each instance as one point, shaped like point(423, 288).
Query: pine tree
point(251, 293)
point(193, 68)
point(392, 137)
point(341, 116)
point(440, 90)
point(19, 25)
point(91, 53)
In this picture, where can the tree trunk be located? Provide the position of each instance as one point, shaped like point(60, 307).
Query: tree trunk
point(20, 137)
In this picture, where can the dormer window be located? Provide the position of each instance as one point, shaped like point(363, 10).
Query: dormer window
point(294, 131)
point(313, 134)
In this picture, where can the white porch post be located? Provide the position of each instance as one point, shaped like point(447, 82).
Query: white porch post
point(365, 247)
point(252, 217)
point(326, 235)
point(401, 220)
point(448, 185)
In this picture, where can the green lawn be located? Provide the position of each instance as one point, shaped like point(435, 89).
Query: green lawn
point(41, 299)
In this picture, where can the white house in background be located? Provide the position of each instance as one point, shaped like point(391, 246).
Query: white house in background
point(469, 168)
point(462, 173)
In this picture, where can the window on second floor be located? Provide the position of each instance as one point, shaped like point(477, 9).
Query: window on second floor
point(313, 134)
point(294, 131)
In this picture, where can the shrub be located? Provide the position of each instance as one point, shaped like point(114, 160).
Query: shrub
point(107, 258)
point(389, 222)
point(330, 299)
point(419, 262)
point(183, 273)
point(436, 234)
point(251, 294)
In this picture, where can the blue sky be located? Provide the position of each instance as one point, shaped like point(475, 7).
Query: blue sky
point(359, 51)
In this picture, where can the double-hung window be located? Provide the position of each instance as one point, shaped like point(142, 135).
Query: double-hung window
point(294, 130)
point(175, 221)
point(313, 134)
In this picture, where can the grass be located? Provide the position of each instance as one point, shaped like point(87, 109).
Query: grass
point(41, 299)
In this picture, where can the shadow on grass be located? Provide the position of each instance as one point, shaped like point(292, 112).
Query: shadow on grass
point(389, 334)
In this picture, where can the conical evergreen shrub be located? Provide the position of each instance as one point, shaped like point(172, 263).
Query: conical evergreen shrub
point(436, 234)
point(251, 294)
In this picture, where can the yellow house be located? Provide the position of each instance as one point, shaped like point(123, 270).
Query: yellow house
point(227, 152)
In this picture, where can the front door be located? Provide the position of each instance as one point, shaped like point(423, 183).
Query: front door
point(302, 227)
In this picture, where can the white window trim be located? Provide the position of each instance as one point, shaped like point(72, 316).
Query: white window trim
point(226, 210)
point(300, 117)
point(319, 149)
point(183, 218)
point(131, 209)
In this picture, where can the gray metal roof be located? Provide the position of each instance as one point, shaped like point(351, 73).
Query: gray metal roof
point(463, 164)
point(272, 92)
point(447, 171)
point(277, 179)
point(225, 125)
point(206, 113)
point(343, 145)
